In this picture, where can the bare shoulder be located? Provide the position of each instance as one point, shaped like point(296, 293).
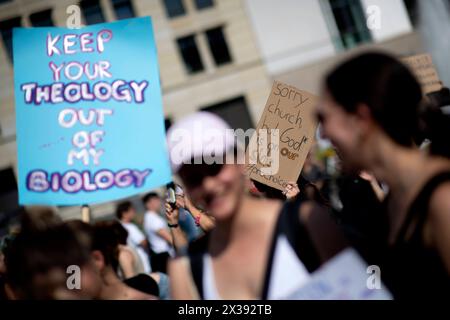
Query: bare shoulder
point(182, 285)
point(125, 253)
point(440, 203)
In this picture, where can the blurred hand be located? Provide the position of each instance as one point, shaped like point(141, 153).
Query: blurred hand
point(180, 201)
point(171, 214)
point(379, 192)
point(367, 176)
point(291, 190)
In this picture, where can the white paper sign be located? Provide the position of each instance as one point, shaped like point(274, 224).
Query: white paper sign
point(345, 277)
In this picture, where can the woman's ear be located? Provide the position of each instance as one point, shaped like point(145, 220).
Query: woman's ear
point(363, 112)
point(98, 260)
point(364, 119)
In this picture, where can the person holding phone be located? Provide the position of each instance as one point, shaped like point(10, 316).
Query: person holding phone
point(177, 204)
point(202, 220)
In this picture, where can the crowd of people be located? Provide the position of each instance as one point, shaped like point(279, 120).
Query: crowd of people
point(225, 236)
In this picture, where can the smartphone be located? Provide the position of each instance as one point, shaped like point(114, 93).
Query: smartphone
point(170, 198)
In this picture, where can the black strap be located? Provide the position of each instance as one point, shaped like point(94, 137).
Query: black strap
point(298, 237)
point(196, 251)
point(269, 263)
point(196, 261)
point(291, 227)
point(419, 208)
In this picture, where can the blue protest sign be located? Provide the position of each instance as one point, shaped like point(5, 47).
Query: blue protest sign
point(89, 114)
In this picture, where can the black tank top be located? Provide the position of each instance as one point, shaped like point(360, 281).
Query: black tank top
point(409, 268)
point(289, 226)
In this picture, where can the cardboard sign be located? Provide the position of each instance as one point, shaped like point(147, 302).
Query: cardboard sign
point(90, 125)
point(422, 67)
point(345, 277)
point(290, 112)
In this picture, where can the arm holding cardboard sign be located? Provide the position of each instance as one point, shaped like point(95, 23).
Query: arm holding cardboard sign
point(290, 118)
point(292, 190)
point(291, 112)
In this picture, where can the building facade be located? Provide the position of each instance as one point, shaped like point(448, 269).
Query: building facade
point(301, 40)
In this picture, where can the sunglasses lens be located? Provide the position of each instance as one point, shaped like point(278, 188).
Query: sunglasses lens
point(194, 174)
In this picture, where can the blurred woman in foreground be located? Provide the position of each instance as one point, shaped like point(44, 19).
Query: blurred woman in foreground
point(258, 249)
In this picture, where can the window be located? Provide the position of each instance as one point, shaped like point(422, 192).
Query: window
point(174, 8)
point(351, 22)
point(411, 7)
point(92, 11)
point(6, 32)
point(203, 4)
point(42, 19)
point(234, 112)
point(123, 9)
point(190, 54)
point(218, 46)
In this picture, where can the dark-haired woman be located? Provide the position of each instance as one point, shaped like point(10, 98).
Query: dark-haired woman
point(370, 112)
